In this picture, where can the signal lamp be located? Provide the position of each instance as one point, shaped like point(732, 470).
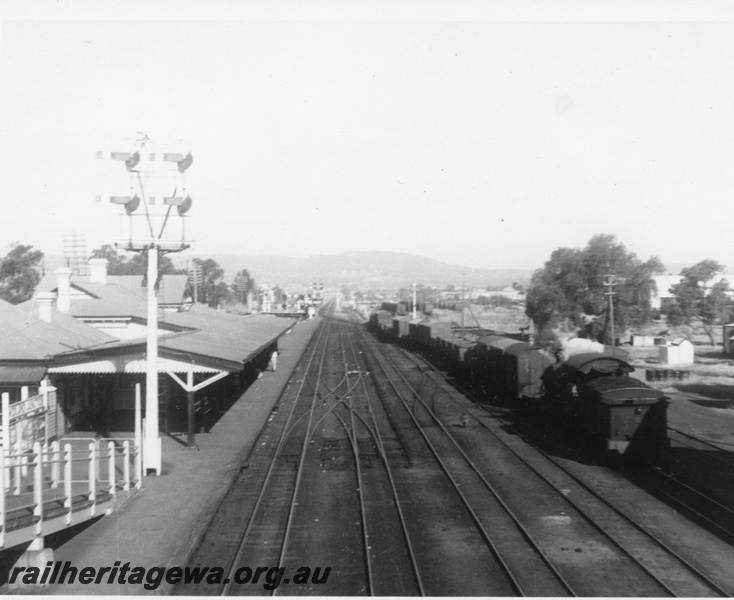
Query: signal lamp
point(132, 161)
point(183, 205)
point(130, 204)
point(185, 163)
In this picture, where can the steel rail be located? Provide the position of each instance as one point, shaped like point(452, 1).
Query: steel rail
point(694, 570)
point(480, 526)
point(388, 470)
point(358, 472)
point(350, 431)
point(229, 580)
point(693, 490)
point(373, 430)
point(332, 410)
point(713, 444)
point(324, 399)
point(302, 460)
point(705, 579)
point(698, 514)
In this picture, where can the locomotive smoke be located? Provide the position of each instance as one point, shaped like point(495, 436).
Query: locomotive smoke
point(576, 346)
point(565, 334)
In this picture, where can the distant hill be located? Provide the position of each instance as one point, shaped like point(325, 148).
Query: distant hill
point(365, 270)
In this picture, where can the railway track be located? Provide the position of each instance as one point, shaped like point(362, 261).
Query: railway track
point(696, 478)
point(369, 468)
point(320, 447)
point(653, 553)
point(376, 488)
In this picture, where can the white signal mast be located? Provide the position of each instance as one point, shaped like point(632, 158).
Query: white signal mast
point(146, 233)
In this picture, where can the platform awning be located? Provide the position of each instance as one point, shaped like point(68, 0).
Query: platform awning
point(21, 374)
point(132, 363)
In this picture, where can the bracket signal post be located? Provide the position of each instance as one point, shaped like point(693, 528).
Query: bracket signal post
point(153, 244)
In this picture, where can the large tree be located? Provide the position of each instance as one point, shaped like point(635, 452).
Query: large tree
point(20, 273)
point(118, 264)
point(569, 289)
point(701, 296)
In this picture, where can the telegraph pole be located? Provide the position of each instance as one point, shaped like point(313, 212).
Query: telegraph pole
point(609, 283)
point(195, 278)
point(463, 305)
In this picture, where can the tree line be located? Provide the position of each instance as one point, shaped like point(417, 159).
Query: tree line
point(568, 294)
point(205, 276)
point(21, 270)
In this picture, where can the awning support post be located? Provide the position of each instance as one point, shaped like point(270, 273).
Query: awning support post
point(190, 398)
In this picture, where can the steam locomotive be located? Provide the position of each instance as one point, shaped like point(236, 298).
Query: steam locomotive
point(592, 389)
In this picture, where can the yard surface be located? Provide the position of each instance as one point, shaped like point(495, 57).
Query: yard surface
point(509, 319)
point(710, 379)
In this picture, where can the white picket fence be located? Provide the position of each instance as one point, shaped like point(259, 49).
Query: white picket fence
point(54, 486)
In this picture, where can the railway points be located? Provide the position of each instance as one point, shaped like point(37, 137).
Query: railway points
point(381, 466)
point(392, 472)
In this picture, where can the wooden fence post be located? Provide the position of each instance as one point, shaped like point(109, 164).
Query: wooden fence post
point(111, 466)
point(68, 491)
point(55, 464)
point(92, 478)
point(2, 497)
point(126, 464)
point(38, 488)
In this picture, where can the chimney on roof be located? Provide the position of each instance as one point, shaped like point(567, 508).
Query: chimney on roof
point(98, 270)
point(63, 280)
point(45, 302)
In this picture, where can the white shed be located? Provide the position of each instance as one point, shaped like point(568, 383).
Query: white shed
point(643, 340)
point(677, 352)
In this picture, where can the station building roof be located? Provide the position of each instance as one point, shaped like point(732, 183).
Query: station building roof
point(25, 337)
point(121, 296)
point(213, 340)
point(199, 338)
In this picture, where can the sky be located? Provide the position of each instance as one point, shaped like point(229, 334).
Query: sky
point(485, 134)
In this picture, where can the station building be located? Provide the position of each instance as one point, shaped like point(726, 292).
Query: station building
point(86, 337)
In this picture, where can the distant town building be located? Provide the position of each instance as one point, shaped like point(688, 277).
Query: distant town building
point(663, 283)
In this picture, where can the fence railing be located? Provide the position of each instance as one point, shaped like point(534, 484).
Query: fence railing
point(63, 484)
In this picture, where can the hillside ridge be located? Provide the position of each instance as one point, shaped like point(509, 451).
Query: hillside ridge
point(360, 269)
point(366, 269)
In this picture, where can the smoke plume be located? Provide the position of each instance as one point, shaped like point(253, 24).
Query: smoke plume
point(574, 346)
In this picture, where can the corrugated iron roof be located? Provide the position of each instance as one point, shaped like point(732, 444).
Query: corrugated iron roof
point(121, 296)
point(21, 374)
point(25, 337)
point(220, 340)
point(171, 288)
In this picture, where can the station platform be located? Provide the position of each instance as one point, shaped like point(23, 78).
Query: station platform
point(161, 524)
